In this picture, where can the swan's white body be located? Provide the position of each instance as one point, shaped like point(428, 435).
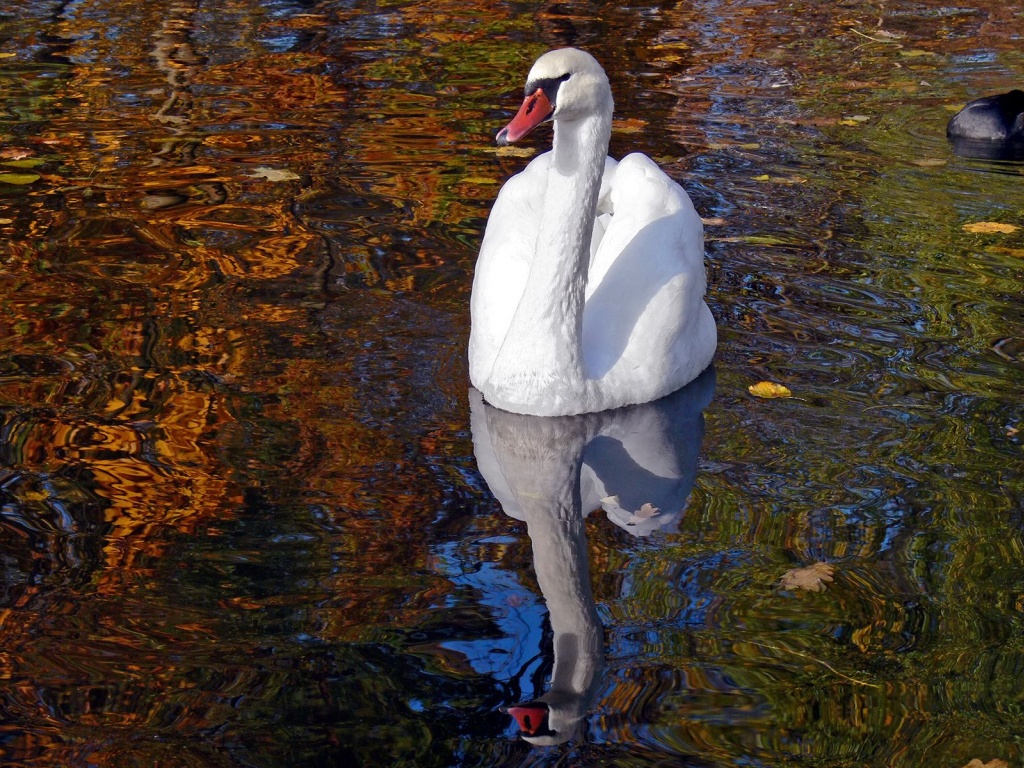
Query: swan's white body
point(589, 287)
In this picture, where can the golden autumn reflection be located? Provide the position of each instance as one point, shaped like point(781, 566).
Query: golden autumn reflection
point(244, 519)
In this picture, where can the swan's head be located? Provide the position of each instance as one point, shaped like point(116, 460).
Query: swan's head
point(544, 725)
point(565, 84)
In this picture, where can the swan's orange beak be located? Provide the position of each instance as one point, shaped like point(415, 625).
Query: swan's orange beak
point(530, 717)
point(535, 110)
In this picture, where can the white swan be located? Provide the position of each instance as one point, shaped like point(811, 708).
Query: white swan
point(589, 287)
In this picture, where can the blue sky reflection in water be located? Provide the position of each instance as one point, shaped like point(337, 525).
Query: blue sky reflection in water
point(242, 519)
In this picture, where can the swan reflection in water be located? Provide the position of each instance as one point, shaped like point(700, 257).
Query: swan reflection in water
point(550, 473)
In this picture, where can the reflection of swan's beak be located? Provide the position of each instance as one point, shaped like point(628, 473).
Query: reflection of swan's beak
point(535, 110)
point(531, 717)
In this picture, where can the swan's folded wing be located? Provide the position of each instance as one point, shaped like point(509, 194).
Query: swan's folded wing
point(642, 194)
point(504, 263)
point(644, 319)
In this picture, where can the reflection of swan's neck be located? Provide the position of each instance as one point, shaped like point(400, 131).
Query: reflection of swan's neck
point(541, 357)
point(560, 560)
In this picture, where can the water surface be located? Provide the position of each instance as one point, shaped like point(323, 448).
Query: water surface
point(248, 512)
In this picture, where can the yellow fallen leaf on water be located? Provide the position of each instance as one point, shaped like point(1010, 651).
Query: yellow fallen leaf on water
point(480, 180)
point(781, 179)
point(629, 125)
point(751, 145)
point(812, 577)
point(769, 389)
point(988, 227)
point(509, 151)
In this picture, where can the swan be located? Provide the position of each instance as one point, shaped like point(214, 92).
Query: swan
point(588, 292)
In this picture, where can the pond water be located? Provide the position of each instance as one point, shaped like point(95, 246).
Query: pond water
point(251, 516)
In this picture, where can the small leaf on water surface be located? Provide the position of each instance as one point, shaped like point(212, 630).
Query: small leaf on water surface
point(769, 389)
point(480, 180)
point(727, 145)
point(510, 151)
point(629, 125)
point(929, 162)
point(18, 178)
point(31, 162)
point(677, 44)
point(812, 577)
point(646, 512)
point(988, 227)
point(781, 179)
point(993, 763)
point(715, 221)
point(769, 240)
point(273, 174)
point(15, 153)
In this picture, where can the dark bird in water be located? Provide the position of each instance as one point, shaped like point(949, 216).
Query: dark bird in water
point(991, 127)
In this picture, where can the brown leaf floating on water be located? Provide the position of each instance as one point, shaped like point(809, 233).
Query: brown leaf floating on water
point(812, 577)
point(993, 763)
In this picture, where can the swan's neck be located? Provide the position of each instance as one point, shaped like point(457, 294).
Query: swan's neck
point(541, 360)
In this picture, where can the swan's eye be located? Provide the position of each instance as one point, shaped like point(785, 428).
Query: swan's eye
point(547, 84)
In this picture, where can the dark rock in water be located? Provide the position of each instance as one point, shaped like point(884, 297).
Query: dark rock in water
point(990, 128)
